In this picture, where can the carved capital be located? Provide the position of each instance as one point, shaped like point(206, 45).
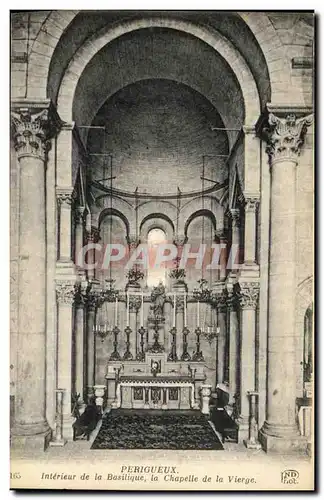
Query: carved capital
point(232, 301)
point(235, 216)
point(180, 240)
point(249, 295)
point(251, 203)
point(65, 292)
point(79, 214)
point(93, 236)
point(132, 242)
point(92, 300)
point(33, 127)
point(219, 299)
point(285, 136)
point(64, 196)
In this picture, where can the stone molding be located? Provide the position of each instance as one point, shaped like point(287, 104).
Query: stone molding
point(65, 292)
point(248, 295)
point(34, 124)
point(285, 136)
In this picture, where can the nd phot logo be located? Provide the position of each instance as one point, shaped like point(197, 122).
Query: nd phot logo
point(289, 476)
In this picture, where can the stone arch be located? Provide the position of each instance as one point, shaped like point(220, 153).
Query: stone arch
point(199, 213)
point(157, 220)
point(117, 213)
point(304, 299)
point(273, 51)
point(56, 22)
point(146, 208)
point(119, 205)
point(194, 206)
point(223, 46)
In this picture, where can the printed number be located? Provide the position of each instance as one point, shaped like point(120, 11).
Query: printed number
point(15, 475)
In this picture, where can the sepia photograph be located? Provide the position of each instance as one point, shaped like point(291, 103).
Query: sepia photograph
point(162, 250)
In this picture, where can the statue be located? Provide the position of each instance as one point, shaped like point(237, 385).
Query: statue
point(158, 298)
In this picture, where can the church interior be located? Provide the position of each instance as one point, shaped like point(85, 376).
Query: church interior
point(157, 128)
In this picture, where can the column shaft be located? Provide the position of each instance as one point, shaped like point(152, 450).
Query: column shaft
point(250, 231)
point(90, 349)
point(285, 137)
point(233, 350)
point(221, 344)
point(65, 295)
point(79, 350)
point(30, 392)
point(64, 198)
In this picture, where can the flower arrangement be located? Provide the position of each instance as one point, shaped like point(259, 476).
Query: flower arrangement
point(134, 275)
point(202, 292)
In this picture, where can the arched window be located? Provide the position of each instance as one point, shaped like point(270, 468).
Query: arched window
point(155, 275)
point(308, 345)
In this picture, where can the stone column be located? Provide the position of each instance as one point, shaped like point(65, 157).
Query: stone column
point(33, 125)
point(235, 255)
point(91, 304)
point(248, 297)
point(250, 229)
point(223, 254)
point(64, 201)
point(221, 344)
point(93, 236)
point(78, 217)
point(234, 345)
point(80, 299)
point(65, 292)
point(285, 136)
point(219, 297)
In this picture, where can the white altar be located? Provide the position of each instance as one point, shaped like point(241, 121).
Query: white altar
point(155, 383)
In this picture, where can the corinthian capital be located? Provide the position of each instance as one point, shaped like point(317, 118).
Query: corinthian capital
point(285, 136)
point(65, 292)
point(235, 216)
point(248, 295)
point(34, 124)
point(64, 196)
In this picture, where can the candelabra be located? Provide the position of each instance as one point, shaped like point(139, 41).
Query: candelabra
point(198, 355)
point(173, 353)
point(185, 354)
point(115, 356)
point(252, 442)
point(128, 355)
point(141, 355)
point(156, 321)
point(58, 439)
point(102, 331)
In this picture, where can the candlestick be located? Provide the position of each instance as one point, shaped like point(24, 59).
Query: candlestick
point(198, 319)
point(116, 311)
point(185, 310)
point(127, 310)
point(174, 310)
point(142, 311)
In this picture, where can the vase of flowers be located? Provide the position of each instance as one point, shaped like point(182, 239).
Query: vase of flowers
point(134, 275)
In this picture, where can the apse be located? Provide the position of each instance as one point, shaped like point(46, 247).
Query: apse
point(162, 130)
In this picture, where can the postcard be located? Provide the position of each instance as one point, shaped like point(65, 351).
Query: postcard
point(162, 250)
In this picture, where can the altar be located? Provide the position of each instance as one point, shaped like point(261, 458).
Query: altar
point(155, 383)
